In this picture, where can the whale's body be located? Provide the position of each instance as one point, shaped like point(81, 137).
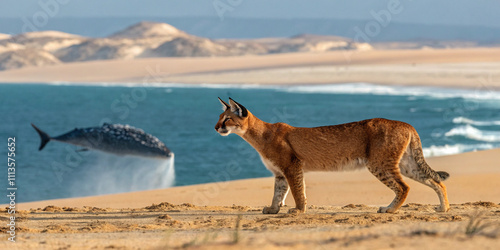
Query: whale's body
point(112, 138)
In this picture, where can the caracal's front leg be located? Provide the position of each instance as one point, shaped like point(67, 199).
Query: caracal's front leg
point(295, 178)
point(281, 189)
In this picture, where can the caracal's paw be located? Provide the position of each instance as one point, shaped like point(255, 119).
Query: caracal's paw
point(390, 210)
point(270, 210)
point(295, 211)
point(442, 209)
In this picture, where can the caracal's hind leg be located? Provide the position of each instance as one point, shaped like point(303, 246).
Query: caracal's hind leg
point(281, 189)
point(440, 189)
point(388, 173)
point(410, 169)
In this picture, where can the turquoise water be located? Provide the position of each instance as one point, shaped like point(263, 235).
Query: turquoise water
point(448, 121)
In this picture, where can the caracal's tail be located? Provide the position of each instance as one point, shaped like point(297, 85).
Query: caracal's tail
point(418, 154)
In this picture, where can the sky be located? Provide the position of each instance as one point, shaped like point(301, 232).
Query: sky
point(454, 12)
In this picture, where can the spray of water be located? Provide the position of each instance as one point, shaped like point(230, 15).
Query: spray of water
point(108, 174)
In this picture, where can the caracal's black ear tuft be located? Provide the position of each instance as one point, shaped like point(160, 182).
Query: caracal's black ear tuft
point(237, 108)
point(225, 106)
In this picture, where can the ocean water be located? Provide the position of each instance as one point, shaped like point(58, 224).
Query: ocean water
point(449, 121)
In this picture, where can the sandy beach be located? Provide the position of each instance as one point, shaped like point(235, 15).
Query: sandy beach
point(341, 214)
point(466, 68)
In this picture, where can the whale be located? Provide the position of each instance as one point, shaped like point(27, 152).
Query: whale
point(116, 139)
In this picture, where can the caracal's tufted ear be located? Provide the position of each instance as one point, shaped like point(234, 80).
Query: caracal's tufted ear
point(225, 106)
point(238, 109)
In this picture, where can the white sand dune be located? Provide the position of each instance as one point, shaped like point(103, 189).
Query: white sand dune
point(4, 36)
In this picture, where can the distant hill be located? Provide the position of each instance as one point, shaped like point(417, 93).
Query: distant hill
point(42, 34)
point(26, 57)
point(150, 39)
point(34, 48)
point(129, 37)
point(148, 30)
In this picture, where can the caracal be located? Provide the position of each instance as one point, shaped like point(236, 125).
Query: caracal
point(389, 149)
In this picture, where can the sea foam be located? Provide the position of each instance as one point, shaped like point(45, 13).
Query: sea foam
point(108, 174)
point(365, 88)
point(340, 88)
point(454, 149)
point(473, 133)
point(464, 120)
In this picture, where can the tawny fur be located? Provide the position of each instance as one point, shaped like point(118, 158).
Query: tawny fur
point(389, 149)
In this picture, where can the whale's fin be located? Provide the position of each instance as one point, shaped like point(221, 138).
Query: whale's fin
point(43, 136)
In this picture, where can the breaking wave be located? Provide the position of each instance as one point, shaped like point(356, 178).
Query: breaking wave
point(365, 88)
point(345, 88)
point(473, 133)
point(464, 120)
point(454, 149)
